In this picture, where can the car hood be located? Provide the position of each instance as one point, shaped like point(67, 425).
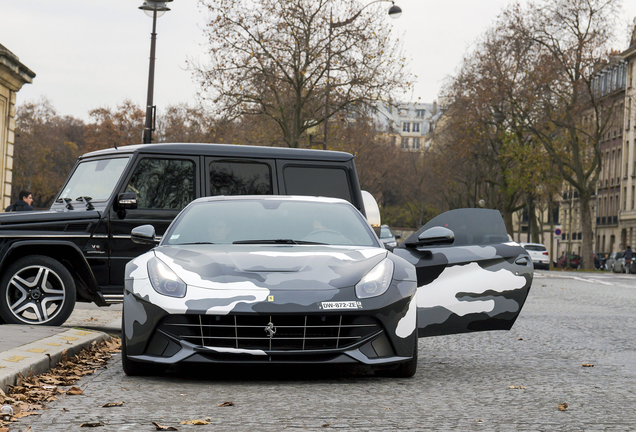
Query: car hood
point(280, 267)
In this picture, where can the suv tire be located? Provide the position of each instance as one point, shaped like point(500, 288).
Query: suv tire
point(37, 290)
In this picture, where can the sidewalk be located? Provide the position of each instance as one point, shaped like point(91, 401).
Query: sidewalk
point(26, 348)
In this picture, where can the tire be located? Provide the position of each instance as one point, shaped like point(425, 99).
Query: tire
point(404, 370)
point(37, 290)
point(133, 368)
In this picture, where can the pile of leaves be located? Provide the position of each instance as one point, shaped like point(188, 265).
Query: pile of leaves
point(31, 393)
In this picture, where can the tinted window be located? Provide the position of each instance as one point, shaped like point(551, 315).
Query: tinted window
point(309, 181)
point(163, 183)
point(385, 232)
point(240, 178)
point(471, 226)
point(534, 248)
point(95, 179)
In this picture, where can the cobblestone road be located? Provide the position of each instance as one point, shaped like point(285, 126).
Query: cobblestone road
point(463, 382)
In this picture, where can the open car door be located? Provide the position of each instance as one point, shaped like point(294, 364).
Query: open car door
point(470, 277)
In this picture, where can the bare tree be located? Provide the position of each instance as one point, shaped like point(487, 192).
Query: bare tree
point(273, 58)
point(569, 41)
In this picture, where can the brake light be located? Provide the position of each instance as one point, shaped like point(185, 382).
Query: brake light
point(545, 253)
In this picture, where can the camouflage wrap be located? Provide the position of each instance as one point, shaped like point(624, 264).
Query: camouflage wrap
point(469, 288)
point(268, 280)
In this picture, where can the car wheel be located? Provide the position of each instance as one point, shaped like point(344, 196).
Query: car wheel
point(404, 370)
point(133, 368)
point(37, 290)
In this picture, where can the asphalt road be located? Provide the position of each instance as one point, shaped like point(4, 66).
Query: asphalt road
point(463, 381)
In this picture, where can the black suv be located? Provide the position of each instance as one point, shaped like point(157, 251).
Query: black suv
point(77, 250)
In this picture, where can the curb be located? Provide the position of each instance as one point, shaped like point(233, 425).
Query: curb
point(40, 356)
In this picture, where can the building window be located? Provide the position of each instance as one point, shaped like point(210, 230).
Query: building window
point(420, 112)
point(416, 143)
point(416, 127)
point(406, 127)
point(632, 197)
point(405, 143)
point(625, 198)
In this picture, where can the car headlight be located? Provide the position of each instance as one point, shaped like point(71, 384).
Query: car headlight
point(164, 280)
point(377, 281)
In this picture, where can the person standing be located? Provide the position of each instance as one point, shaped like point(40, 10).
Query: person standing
point(25, 199)
point(628, 259)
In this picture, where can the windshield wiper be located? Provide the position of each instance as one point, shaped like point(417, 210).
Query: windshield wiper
point(276, 241)
point(193, 243)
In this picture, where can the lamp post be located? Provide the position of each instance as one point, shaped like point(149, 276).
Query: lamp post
point(154, 9)
point(394, 12)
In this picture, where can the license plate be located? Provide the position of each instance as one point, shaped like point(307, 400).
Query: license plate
point(341, 305)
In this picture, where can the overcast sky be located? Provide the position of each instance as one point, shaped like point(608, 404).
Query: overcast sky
point(94, 53)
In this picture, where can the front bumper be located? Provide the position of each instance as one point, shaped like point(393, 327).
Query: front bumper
point(375, 333)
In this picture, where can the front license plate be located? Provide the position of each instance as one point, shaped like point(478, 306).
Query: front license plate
point(341, 305)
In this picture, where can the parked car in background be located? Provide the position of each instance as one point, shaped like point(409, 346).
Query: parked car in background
point(388, 238)
point(574, 260)
point(600, 259)
point(539, 254)
point(615, 262)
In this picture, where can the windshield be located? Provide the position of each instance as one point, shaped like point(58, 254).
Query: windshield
point(95, 179)
point(270, 221)
point(385, 232)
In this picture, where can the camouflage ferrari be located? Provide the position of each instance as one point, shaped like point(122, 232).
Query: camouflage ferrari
point(305, 280)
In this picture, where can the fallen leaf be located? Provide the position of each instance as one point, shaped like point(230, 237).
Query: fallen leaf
point(224, 404)
point(74, 391)
point(327, 424)
point(194, 422)
point(587, 365)
point(480, 420)
point(519, 338)
point(208, 419)
point(92, 424)
point(24, 414)
point(516, 387)
point(91, 319)
point(112, 404)
point(65, 409)
point(563, 406)
point(4, 429)
point(166, 428)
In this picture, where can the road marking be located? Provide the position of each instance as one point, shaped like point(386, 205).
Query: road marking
point(590, 279)
point(69, 338)
point(36, 350)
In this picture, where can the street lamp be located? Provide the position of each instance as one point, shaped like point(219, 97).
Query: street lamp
point(154, 9)
point(394, 12)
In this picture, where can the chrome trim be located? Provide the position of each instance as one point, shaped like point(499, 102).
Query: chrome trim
point(113, 298)
point(104, 236)
point(121, 236)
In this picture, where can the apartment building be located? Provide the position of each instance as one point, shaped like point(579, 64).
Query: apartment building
point(408, 123)
point(13, 75)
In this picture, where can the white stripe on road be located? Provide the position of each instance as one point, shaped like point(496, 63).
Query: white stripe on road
point(595, 279)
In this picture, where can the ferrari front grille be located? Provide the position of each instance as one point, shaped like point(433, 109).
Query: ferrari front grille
point(271, 333)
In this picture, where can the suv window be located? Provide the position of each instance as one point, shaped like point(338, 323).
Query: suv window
point(324, 181)
point(240, 178)
point(163, 183)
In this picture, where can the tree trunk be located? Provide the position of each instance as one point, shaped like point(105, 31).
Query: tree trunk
point(588, 233)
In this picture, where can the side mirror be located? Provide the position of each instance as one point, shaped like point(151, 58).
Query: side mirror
point(144, 234)
point(433, 237)
point(372, 210)
point(127, 201)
